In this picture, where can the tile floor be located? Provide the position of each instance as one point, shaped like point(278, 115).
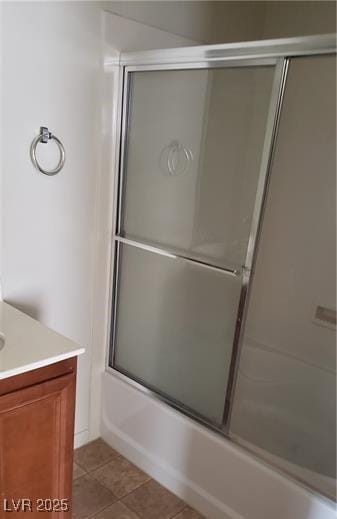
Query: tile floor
point(107, 486)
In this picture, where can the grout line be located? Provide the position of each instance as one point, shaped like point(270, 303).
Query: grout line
point(111, 504)
point(126, 495)
point(90, 473)
point(101, 465)
point(129, 508)
point(80, 467)
point(180, 511)
point(115, 455)
point(92, 516)
point(78, 477)
point(99, 511)
point(137, 488)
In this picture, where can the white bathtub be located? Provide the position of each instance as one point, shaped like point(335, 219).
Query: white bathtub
point(218, 478)
point(285, 410)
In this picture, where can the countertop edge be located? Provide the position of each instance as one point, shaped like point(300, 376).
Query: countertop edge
point(41, 363)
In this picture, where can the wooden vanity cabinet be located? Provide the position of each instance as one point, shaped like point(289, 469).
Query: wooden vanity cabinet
point(36, 441)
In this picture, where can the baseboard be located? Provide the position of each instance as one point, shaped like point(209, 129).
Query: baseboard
point(81, 438)
point(184, 488)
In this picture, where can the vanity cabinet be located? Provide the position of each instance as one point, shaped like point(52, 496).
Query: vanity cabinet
point(36, 441)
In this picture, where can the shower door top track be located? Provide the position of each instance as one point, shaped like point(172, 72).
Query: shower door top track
point(249, 54)
point(205, 55)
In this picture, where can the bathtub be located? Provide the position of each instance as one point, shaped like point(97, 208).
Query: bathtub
point(285, 411)
point(211, 473)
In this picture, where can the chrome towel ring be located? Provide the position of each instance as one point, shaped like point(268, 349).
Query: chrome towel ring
point(44, 137)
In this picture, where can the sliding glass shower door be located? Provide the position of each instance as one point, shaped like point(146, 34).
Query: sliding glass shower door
point(195, 144)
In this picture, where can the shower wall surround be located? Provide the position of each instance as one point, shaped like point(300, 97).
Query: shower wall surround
point(202, 318)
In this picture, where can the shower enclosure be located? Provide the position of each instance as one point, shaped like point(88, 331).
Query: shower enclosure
point(198, 143)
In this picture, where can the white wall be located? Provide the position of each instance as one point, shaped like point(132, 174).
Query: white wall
point(299, 18)
point(50, 76)
point(225, 21)
point(208, 21)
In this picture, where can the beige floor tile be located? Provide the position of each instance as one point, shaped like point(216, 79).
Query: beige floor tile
point(120, 476)
point(152, 501)
point(77, 471)
point(93, 455)
point(117, 511)
point(189, 513)
point(89, 497)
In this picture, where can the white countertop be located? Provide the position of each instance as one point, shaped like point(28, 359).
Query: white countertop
point(26, 344)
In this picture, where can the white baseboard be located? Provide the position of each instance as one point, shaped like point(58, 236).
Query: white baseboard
point(81, 438)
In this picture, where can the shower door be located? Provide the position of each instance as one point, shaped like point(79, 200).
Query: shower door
point(195, 150)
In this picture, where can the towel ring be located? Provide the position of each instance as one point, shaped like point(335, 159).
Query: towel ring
point(44, 137)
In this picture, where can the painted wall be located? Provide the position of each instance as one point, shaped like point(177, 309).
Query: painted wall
point(225, 21)
point(50, 76)
point(208, 21)
point(298, 18)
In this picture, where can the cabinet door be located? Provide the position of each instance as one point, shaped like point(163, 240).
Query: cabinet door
point(36, 445)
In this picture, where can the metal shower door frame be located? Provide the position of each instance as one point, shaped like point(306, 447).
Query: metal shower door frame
point(275, 53)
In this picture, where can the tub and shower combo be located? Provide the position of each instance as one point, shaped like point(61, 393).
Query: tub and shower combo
point(223, 255)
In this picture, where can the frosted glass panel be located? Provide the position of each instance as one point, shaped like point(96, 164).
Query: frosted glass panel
point(194, 146)
point(175, 328)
